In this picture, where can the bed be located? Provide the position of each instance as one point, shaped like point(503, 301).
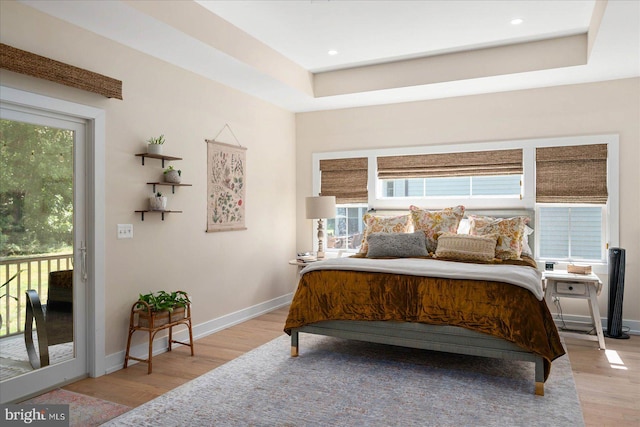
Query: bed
point(490, 309)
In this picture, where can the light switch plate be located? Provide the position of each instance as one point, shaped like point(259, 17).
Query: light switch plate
point(125, 231)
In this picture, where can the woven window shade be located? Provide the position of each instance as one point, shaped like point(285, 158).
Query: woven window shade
point(499, 162)
point(575, 174)
point(21, 61)
point(346, 179)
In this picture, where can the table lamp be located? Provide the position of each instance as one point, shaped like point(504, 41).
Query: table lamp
point(320, 207)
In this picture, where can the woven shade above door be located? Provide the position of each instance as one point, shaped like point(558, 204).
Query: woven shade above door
point(345, 178)
point(573, 174)
point(476, 163)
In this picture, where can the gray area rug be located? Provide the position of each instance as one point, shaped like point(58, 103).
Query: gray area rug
point(337, 382)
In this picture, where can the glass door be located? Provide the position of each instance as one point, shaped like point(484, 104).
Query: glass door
point(42, 251)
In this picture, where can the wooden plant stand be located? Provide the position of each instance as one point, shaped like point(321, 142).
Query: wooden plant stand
point(143, 319)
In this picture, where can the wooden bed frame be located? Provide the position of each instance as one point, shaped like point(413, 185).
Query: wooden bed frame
point(445, 338)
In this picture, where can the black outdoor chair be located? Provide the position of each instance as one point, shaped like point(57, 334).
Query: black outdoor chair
point(54, 321)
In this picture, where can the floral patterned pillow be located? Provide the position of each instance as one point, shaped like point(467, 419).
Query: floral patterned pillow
point(383, 224)
point(509, 230)
point(434, 223)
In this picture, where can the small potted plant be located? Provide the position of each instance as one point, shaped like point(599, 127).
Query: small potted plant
point(172, 175)
point(157, 202)
point(155, 145)
point(160, 308)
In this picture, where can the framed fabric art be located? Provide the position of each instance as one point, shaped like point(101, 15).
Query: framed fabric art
point(226, 186)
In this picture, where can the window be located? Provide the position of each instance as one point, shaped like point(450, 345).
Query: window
point(565, 179)
point(345, 230)
point(571, 233)
point(459, 186)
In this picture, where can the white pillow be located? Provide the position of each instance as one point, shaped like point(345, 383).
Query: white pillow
point(526, 249)
point(463, 227)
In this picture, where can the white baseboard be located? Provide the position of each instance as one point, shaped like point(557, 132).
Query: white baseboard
point(115, 361)
point(632, 325)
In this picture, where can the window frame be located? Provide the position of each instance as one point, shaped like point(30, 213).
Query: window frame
point(527, 201)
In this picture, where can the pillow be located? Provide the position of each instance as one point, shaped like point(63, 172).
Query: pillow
point(400, 245)
point(526, 249)
point(463, 228)
point(466, 247)
point(509, 230)
point(387, 224)
point(433, 223)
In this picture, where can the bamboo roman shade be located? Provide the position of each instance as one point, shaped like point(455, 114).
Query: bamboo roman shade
point(21, 61)
point(345, 178)
point(574, 174)
point(497, 162)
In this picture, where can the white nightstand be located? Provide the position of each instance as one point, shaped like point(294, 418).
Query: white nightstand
point(584, 286)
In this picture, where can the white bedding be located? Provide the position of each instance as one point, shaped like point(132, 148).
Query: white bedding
point(525, 277)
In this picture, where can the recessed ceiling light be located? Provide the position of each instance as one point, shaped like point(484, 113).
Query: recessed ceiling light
point(517, 21)
point(333, 52)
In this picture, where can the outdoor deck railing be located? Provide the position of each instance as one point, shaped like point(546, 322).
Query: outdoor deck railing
point(34, 274)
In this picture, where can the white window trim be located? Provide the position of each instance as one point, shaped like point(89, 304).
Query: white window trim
point(528, 191)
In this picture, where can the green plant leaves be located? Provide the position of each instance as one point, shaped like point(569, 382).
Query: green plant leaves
point(164, 301)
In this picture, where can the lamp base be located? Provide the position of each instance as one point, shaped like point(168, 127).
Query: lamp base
point(320, 255)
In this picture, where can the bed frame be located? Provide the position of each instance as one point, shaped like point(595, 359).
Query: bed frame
point(450, 339)
point(445, 338)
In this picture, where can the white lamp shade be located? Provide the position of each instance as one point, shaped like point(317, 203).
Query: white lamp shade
point(321, 207)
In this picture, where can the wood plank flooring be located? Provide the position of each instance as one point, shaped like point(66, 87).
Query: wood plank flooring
point(609, 388)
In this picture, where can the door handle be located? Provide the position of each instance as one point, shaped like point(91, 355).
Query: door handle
point(83, 262)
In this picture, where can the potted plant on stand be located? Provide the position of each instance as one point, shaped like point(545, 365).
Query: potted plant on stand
point(157, 202)
point(172, 175)
point(155, 145)
point(160, 308)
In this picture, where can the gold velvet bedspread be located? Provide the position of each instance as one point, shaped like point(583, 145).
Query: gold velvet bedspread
point(499, 309)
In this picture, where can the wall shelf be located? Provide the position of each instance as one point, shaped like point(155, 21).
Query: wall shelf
point(157, 156)
point(160, 212)
point(173, 185)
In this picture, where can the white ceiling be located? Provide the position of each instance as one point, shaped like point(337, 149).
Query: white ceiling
point(368, 32)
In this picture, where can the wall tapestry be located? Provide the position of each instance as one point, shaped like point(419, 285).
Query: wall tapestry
point(226, 186)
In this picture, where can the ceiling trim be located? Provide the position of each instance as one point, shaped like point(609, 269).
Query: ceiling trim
point(492, 61)
point(594, 25)
point(200, 23)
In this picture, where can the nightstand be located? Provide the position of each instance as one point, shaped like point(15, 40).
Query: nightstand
point(300, 264)
point(561, 284)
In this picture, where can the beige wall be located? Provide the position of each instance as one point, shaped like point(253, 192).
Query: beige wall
point(597, 108)
point(223, 272)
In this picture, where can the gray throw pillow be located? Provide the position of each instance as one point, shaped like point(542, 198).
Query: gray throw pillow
point(399, 245)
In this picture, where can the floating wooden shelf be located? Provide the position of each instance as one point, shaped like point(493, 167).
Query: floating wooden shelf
point(160, 212)
point(157, 156)
point(173, 185)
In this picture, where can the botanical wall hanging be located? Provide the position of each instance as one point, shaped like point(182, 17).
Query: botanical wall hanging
point(226, 186)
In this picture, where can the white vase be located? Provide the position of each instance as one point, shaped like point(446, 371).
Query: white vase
point(157, 203)
point(154, 148)
point(172, 176)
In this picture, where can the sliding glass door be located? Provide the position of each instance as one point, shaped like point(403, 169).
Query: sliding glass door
point(42, 250)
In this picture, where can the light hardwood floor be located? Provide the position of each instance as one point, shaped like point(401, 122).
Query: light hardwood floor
point(609, 390)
